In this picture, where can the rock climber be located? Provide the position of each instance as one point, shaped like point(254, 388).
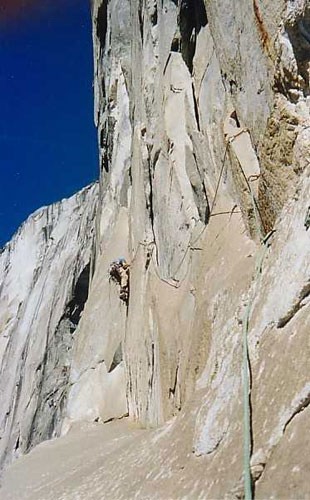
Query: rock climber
point(119, 272)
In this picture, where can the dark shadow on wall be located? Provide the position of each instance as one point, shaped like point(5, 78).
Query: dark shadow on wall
point(54, 370)
point(102, 23)
point(192, 17)
point(299, 35)
point(79, 296)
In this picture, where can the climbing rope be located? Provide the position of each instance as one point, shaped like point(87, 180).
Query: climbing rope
point(178, 283)
point(247, 428)
point(191, 244)
point(220, 176)
point(246, 367)
point(246, 372)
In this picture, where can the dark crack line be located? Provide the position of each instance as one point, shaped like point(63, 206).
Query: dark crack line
point(297, 306)
point(300, 408)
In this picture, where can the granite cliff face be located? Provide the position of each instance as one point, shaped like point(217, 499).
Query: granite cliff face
point(45, 273)
point(202, 111)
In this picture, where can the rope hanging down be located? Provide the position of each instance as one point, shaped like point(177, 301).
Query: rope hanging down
point(246, 371)
point(177, 283)
point(246, 368)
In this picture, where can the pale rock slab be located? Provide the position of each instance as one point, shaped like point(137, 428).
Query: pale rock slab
point(45, 273)
point(202, 111)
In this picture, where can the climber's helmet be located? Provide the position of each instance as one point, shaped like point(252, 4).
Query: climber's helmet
point(121, 261)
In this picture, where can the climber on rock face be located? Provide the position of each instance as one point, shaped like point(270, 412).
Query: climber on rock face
point(119, 272)
point(124, 274)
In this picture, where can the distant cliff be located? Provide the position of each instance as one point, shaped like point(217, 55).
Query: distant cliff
point(203, 117)
point(45, 273)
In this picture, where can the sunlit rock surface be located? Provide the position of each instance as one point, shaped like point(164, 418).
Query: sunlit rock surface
point(45, 272)
point(202, 111)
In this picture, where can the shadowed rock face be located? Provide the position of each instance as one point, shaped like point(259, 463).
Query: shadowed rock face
point(203, 122)
point(55, 367)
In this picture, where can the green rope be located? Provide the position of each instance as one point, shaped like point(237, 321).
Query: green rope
point(247, 424)
point(246, 409)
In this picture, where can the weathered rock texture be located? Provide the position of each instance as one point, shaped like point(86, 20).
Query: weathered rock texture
point(202, 111)
point(45, 273)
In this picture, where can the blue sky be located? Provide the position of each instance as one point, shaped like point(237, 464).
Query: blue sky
point(48, 144)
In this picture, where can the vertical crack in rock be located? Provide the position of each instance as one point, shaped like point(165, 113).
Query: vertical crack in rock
point(154, 15)
point(102, 23)
point(54, 370)
point(196, 108)
point(140, 18)
point(200, 194)
point(150, 204)
point(117, 358)
point(173, 390)
point(152, 367)
point(192, 17)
